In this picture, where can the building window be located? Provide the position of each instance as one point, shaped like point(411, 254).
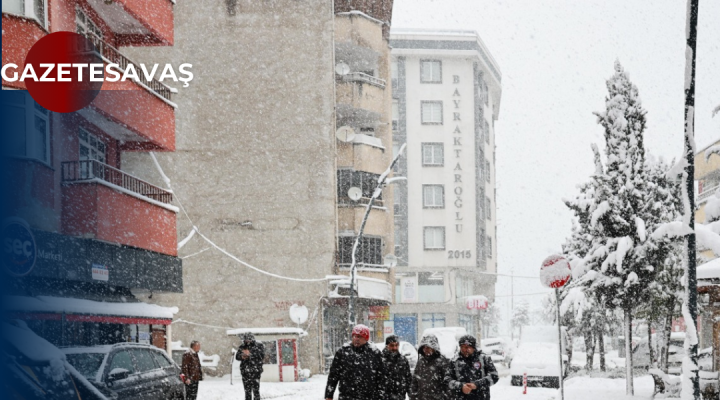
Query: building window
point(27, 137)
point(30, 8)
point(394, 74)
point(433, 320)
point(486, 129)
point(395, 115)
point(369, 251)
point(488, 208)
point(433, 154)
point(434, 238)
point(466, 321)
point(487, 170)
point(432, 112)
point(430, 71)
point(431, 287)
point(463, 287)
point(489, 250)
point(433, 196)
point(485, 92)
point(85, 26)
point(91, 148)
point(366, 181)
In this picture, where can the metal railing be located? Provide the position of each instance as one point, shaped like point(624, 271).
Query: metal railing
point(363, 77)
point(85, 170)
point(114, 56)
point(707, 193)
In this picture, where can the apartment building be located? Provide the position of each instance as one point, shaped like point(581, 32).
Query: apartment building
point(446, 98)
point(96, 239)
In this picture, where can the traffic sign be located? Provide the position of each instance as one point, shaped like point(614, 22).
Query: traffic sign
point(555, 271)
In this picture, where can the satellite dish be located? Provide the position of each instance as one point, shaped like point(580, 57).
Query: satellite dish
point(354, 193)
point(345, 134)
point(342, 69)
point(298, 314)
point(390, 260)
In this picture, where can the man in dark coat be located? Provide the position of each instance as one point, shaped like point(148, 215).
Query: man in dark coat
point(359, 369)
point(397, 370)
point(192, 370)
point(427, 381)
point(471, 372)
point(251, 354)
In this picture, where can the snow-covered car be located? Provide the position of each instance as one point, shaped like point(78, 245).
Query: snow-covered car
point(498, 349)
point(131, 370)
point(448, 338)
point(537, 355)
point(406, 349)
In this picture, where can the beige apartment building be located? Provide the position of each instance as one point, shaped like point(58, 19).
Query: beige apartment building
point(260, 172)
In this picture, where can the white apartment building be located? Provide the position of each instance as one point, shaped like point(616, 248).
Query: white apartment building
point(446, 98)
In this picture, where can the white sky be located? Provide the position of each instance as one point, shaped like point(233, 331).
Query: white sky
point(555, 57)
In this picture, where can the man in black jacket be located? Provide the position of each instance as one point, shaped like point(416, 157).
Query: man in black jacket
point(471, 372)
point(397, 370)
point(358, 368)
point(251, 354)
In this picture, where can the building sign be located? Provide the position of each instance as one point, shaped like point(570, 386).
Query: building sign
point(100, 272)
point(380, 313)
point(409, 289)
point(20, 249)
point(388, 328)
point(457, 149)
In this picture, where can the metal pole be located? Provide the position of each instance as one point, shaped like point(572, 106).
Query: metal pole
point(512, 304)
point(352, 320)
point(560, 349)
point(691, 289)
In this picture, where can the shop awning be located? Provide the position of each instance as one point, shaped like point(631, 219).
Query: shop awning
point(81, 310)
point(710, 270)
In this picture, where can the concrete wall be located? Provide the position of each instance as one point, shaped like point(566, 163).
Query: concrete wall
point(254, 165)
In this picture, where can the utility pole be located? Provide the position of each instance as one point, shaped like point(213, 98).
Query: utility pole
point(512, 302)
point(689, 189)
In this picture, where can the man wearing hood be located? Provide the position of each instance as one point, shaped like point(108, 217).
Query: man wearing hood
point(251, 354)
point(427, 382)
point(397, 370)
point(358, 368)
point(471, 372)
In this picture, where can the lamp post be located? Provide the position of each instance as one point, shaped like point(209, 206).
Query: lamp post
point(382, 181)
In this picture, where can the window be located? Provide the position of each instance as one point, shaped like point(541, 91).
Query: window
point(271, 356)
point(463, 287)
point(431, 287)
point(433, 154)
point(91, 148)
point(433, 196)
point(287, 351)
point(433, 320)
point(488, 208)
point(85, 26)
point(123, 360)
point(489, 247)
point(486, 130)
point(487, 170)
point(369, 251)
point(395, 115)
point(394, 74)
point(432, 112)
point(161, 360)
point(466, 321)
point(434, 238)
point(27, 137)
point(430, 71)
point(485, 92)
point(29, 8)
point(366, 181)
point(144, 360)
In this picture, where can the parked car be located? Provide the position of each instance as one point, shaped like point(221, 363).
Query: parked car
point(498, 349)
point(131, 370)
point(448, 339)
point(407, 350)
point(538, 356)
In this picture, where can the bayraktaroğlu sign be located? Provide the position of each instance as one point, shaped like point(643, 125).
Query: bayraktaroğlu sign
point(555, 271)
point(19, 247)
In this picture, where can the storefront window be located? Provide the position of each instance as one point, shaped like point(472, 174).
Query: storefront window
point(271, 356)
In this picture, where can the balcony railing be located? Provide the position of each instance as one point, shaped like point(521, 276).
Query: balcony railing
point(86, 170)
point(114, 56)
point(707, 193)
point(365, 78)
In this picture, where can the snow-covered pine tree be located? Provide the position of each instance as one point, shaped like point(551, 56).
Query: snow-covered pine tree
point(521, 315)
point(490, 318)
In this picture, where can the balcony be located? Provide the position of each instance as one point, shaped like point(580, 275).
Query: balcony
point(706, 194)
point(105, 203)
point(138, 22)
point(140, 114)
point(363, 78)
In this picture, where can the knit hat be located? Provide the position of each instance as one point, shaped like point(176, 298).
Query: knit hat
point(391, 339)
point(469, 340)
point(362, 331)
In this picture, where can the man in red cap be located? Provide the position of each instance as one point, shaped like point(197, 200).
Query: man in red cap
point(359, 369)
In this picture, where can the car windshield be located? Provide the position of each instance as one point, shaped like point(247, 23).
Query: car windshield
point(87, 364)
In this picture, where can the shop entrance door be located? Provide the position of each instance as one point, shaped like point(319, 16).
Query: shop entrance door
point(288, 360)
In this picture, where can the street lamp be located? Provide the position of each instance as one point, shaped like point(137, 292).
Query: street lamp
point(383, 180)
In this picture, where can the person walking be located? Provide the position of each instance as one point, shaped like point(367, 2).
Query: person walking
point(192, 370)
point(428, 379)
point(251, 354)
point(358, 368)
point(471, 372)
point(397, 370)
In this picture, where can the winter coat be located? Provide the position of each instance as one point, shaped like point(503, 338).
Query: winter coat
point(478, 369)
point(191, 366)
point(360, 371)
point(427, 381)
point(397, 375)
point(251, 367)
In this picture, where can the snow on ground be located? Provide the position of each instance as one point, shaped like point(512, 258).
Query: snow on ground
point(579, 388)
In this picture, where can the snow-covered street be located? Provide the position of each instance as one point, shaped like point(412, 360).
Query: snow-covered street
point(579, 388)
